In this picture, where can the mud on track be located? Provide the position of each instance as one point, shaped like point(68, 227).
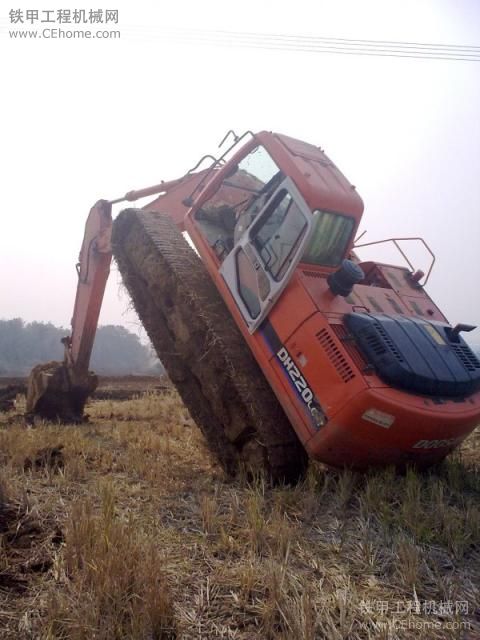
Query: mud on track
point(202, 349)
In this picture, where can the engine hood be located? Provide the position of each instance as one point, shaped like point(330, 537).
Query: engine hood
point(417, 355)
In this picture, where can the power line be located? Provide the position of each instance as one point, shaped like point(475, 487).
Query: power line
point(309, 43)
point(372, 43)
point(317, 44)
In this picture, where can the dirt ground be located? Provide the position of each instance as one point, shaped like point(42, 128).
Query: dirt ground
point(109, 387)
point(124, 527)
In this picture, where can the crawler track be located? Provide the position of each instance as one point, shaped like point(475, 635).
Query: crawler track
point(202, 349)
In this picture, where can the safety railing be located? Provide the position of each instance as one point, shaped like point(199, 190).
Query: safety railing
point(395, 242)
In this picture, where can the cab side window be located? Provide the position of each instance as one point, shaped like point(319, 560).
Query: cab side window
point(247, 284)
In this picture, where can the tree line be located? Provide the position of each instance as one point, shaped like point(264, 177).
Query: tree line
point(116, 350)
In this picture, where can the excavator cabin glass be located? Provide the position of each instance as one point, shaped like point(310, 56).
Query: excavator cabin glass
point(329, 239)
point(278, 233)
point(243, 194)
point(229, 212)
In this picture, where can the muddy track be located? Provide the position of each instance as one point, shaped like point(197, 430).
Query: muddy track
point(202, 349)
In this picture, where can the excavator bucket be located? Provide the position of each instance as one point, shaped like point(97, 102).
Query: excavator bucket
point(55, 392)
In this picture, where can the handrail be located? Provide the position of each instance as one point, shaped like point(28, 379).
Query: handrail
point(395, 242)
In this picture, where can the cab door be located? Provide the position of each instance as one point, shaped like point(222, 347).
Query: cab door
point(266, 253)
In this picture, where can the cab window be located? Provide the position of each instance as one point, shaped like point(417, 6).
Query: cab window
point(278, 233)
point(226, 215)
point(329, 239)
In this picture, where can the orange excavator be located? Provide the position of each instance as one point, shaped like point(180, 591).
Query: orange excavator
point(282, 344)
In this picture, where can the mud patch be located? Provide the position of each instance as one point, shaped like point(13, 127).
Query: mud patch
point(27, 545)
point(8, 396)
point(48, 458)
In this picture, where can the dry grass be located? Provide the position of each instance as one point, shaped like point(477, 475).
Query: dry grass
point(125, 528)
point(117, 571)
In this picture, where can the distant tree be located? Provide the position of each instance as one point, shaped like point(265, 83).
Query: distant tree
point(44, 340)
point(116, 350)
point(13, 347)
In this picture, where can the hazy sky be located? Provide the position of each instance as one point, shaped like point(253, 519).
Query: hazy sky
point(85, 119)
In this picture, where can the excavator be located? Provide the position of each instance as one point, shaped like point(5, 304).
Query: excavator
point(281, 342)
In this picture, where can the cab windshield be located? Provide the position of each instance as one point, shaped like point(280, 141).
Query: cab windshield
point(243, 193)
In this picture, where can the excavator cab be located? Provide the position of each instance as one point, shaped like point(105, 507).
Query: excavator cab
point(274, 230)
point(361, 359)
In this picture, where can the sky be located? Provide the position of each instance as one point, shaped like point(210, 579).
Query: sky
point(89, 119)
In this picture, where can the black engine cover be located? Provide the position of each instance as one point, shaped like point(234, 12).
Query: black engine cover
point(416, 355)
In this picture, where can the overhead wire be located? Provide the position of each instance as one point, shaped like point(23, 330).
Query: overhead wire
point(303, 43)
point(343, 46)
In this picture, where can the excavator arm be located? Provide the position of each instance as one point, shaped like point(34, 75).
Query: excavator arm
point(93, 268)
point(59, 390)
